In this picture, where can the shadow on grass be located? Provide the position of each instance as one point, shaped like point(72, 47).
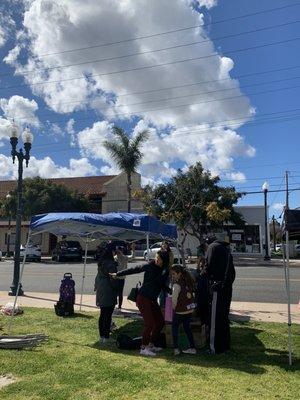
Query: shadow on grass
point(248, 353)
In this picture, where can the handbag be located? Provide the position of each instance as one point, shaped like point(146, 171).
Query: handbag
point(133, 294)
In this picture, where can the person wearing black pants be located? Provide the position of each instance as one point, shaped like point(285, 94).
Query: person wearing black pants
point(106, 291)
point(104, 322)
point(121, 283)
point(221, 275)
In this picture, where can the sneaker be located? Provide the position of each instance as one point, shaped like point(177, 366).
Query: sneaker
point(190, 351)
point(147, 352)
point(176, 352)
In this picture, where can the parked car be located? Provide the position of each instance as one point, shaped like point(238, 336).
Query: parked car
point(297, 249)
point(67, 250)
point(33, 252)
point(154, 249)
point(0, 255)
point(124, 246)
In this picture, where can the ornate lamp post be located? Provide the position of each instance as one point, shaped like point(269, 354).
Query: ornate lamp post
point(265, 188)
point(8, 197)
point(21, 156)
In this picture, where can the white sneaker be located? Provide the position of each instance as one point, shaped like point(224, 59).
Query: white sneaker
point(147, 352)
point(176, 352)
point(190, 351)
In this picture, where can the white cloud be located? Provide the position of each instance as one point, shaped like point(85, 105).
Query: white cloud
point(278, 206)
point(6, 24)
point(21, 109)
point(46, 168)
point(187, 124)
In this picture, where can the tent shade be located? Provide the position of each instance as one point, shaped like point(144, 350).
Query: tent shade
point(121, 225)
point(292, 223)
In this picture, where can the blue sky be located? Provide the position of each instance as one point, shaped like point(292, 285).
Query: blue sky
point(234, 107)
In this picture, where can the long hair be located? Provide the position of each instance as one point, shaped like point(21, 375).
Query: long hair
point(164, 256)
point(186, 276)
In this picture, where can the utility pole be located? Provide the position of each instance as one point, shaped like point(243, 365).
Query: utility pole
point(274, 233)
point(286, 190)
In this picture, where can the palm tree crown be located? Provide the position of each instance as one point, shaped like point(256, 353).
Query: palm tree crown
point(126, 152)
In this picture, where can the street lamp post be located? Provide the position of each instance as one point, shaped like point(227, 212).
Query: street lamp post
point(21, 156)
point(265, 188)
point(8, 197)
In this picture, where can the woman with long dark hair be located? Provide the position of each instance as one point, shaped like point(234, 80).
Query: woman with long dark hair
point(106, 290)
point(147, 300)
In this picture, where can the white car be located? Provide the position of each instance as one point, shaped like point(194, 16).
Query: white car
point(33, 252)
point(154, 248)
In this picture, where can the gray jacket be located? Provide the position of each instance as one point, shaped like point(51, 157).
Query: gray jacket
point(106, 288)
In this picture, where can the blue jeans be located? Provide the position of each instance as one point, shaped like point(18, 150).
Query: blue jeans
point(185, 320)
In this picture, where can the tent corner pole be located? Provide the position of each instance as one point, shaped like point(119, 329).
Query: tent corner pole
point(287, 251)
point(83, 273)
point(147, 241)
point(19, 283)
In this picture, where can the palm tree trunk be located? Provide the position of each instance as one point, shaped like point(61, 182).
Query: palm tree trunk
point(129, 192)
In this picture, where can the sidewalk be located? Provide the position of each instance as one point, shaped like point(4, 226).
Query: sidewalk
point(240, 311)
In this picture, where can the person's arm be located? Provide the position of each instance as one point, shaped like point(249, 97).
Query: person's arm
point(131, 271)
point(175, 294)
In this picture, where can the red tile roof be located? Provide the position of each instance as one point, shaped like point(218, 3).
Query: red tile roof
point(85, 185)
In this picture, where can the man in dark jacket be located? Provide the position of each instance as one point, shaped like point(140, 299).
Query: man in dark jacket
point(221, 275)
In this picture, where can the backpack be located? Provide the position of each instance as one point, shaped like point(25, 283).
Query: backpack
point(67, 289)
point(65, 306)
point(125, 342)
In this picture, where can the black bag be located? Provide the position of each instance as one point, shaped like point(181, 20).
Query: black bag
point(125, 342)
point(134, 292)
point(64, 309)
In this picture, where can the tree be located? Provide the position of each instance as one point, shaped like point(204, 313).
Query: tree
point(194, 201)
point(42, 196)
point(126, 152)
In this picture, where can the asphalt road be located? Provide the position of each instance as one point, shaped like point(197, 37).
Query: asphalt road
point(256, 284)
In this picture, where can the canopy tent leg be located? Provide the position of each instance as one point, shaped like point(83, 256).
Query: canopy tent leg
point(83, 273)
point(288, 292)
point(148, 250)
point(19, 283)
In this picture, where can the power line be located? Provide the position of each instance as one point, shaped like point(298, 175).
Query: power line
point(35, 70)
point(146, 67)
point(175, 97)
point(96, 141)
point(171, 31)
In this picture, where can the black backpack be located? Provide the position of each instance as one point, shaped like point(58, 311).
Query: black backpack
point(125, 342)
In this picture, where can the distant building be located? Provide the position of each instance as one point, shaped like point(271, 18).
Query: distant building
point(105, 194)
point(249, 239)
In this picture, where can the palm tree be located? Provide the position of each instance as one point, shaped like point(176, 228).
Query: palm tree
point(126, 152)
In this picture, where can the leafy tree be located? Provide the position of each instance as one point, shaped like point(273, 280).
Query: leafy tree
point(43, 196)
point(126, 152)
point(194, 201)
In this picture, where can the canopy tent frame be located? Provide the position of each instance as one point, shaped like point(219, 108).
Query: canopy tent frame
point(88, 236)
point(291, 228)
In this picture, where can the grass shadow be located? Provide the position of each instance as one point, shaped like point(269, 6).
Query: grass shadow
point(248, 353)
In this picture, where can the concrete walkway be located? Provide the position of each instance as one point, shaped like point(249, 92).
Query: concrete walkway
point(240, 311)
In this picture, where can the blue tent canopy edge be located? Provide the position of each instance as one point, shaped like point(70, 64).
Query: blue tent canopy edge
point(111, 224)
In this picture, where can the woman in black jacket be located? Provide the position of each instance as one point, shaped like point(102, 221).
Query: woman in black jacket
point(106, 291)
point(153, 283)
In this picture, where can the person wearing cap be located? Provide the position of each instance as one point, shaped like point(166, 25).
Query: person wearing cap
point(221, 275)
point(146, 302)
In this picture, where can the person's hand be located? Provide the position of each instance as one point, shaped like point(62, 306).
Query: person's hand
point(113, 275)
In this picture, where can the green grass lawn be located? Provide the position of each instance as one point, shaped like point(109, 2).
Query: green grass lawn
point(71, 365)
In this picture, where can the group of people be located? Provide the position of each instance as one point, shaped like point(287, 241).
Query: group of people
point(207, 293)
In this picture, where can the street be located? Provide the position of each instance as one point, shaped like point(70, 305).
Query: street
point(253, 284)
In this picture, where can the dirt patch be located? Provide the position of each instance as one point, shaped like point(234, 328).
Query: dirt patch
point(6, 380)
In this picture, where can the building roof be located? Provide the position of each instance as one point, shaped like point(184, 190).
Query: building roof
point(85, 185)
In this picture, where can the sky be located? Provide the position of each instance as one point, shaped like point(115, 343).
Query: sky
point(216, 81)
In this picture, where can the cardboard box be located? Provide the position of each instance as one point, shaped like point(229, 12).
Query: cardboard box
point(199, 333)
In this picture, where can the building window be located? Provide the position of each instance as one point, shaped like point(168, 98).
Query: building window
point(245, 240)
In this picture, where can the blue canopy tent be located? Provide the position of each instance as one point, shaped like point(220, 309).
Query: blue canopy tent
point(98, 226)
